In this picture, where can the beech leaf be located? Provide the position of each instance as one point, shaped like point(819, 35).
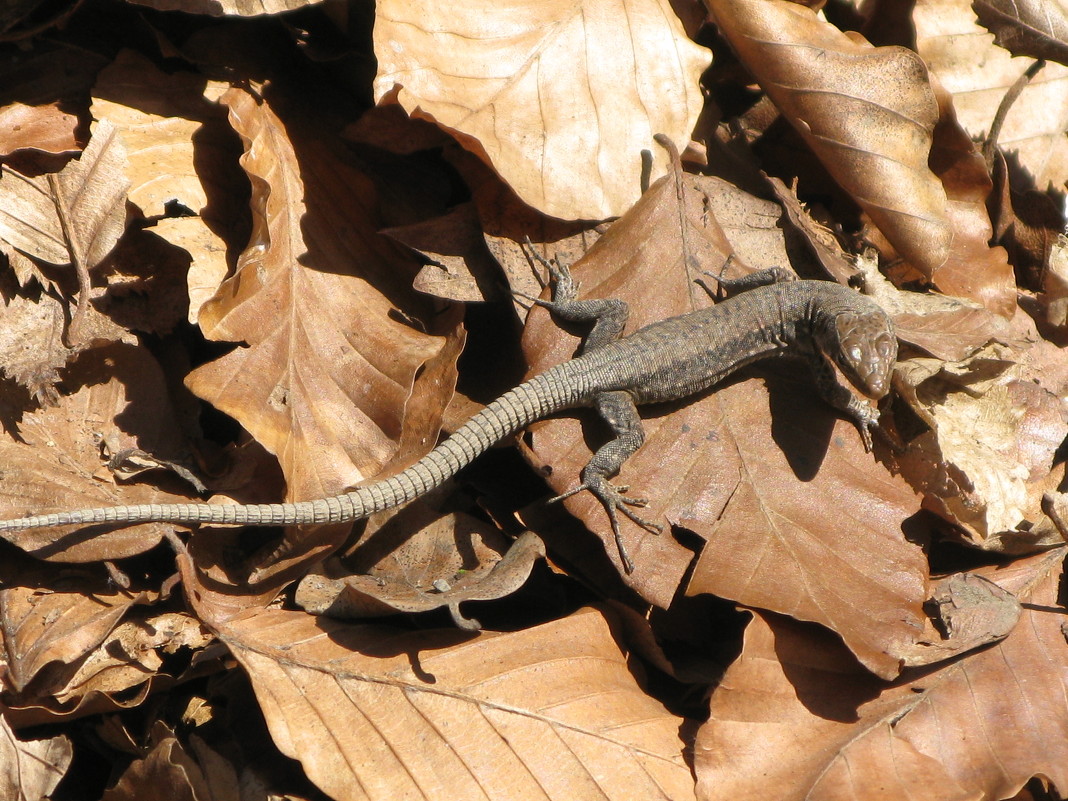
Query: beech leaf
point(867, 112)
point(550, 712)
point(324, 386)
point(530, 87)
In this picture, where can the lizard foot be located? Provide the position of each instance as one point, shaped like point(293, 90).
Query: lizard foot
point(613, 500)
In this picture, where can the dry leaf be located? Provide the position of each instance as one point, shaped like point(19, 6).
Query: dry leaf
point(986, 461)
point(55, 464)
point(325, 385)
point(973, 729)
point(867, 112)
point(375, 713)
point(487, 577)
point(46, 128)
point(31, 768)
point(972, 611)
point(234, 8)
point(752, 472)
point(1036, 28)
point(560, 98)
point(977, 74)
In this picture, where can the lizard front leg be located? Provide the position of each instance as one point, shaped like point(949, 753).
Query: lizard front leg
point(608, 315)
point(861, 411)
point(619, 411)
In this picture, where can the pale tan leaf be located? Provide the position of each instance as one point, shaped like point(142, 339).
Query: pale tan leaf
point(975, 728)
point(77, 214)
point(977, 74)
point(867, 112)
point(986, 461)
point(30, 769)
point(550, 712)
point(560, 98)
point(326, 378)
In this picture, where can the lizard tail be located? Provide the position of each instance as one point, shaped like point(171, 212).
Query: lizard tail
point(544, 394)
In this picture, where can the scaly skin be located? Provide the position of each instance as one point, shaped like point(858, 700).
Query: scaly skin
point(665, 361)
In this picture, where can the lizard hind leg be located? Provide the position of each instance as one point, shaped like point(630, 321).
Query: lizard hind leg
point(619, 411)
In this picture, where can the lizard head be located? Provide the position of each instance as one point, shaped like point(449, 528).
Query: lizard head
point(866, 350)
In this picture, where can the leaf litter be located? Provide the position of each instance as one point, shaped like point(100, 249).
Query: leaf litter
point(243, 263)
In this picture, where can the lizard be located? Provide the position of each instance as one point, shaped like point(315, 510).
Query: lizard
point(836, 329)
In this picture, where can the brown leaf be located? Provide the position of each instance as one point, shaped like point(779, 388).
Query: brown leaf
point(180, 150)
point(649, 258)
point(528, 87)
point(975, 728)
point(1036, 28)
point(751, 470)
point(985, 462)
point(230, 8)
point(972, 612)
point(46, 128)
point(55, 464)
point(31, 768)
point(169, 770)
point(53, 626)
point(486, 577)
point(329, 368)
point(75, 216)
point(867, 112)
point(376, 713)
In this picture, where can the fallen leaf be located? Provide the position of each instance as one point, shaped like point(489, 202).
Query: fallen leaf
point(867, 112)
point(493, 576)
point(972, 612)
point(46, 128)
point(751, 470)
point(504, 80)
point(985, 462)
point(75, 216)
point(324, 386)
point(971, 729)
point(977, 74)
point(372, 712)
point(117, 394)
point(33, 767)
point(235, 8)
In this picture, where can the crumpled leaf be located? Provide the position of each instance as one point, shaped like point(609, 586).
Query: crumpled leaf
point(360, 596)
point(972, 611)
point(529, 86)
point(551, 712)
point(55, 465)
point(30, 769)
point(1036, 28)
point(325, 385)
point(985, 462)
point(751, 470)
point(49, 627)
point(827, 729)
point(867, 112)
